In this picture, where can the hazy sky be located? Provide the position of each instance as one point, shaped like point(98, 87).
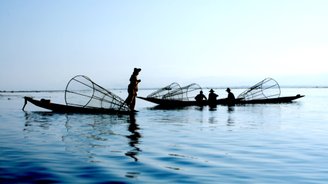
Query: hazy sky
point(44, 43)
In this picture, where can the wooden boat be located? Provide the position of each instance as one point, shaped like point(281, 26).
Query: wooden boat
point(60, 108)
point(266, 91)
point(223, 101)
point(286, 99)
point(82, 95)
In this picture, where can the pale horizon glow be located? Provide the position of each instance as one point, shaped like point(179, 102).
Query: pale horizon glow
point(43, 44)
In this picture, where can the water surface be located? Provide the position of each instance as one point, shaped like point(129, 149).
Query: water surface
point(277, 143)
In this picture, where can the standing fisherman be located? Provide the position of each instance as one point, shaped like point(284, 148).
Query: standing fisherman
point(133, 89)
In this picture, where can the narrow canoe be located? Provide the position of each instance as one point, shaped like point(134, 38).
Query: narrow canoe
point(179, 103)
point(60, 108)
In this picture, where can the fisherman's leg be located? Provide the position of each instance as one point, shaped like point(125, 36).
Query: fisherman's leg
point(25, 102)
point(128, 99)
point(133, 103)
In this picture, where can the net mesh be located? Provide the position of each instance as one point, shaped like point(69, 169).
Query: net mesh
point(83, 92)
point(265, 89)
point(191, 91)
point(168, 92)
point(175, 92)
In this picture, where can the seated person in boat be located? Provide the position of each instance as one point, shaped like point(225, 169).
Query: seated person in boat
point(200, 97)
point(231, 97)
point(212, 98)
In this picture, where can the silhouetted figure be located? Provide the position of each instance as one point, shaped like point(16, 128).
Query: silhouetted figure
point(212, 98)
point(200, 98)
point(133, 89)
point(231, 97)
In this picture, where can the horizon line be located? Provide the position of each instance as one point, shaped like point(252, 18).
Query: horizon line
point(154, 88)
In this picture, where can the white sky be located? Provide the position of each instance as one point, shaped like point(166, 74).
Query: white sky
point(212, 42)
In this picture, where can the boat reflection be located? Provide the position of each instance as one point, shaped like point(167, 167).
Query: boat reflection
point(94, 137)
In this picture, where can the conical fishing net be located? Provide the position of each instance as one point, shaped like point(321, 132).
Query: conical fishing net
point(168, 92)
point(191, 91)
point(83, 92)
point(175, 92)
point(267, 88)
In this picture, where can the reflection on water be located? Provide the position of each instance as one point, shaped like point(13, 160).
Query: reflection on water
point(37, 119)
point(230, 120)
point(231, 109)
point(88, 135)
point(134, 138)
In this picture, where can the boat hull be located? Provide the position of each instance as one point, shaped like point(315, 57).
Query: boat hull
point(60, 108)
point(224, 101)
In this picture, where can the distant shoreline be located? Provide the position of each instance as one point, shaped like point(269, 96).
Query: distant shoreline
point(29, 91)
point(236, 87)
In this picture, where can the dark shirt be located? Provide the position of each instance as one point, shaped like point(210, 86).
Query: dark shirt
point(212, 97)
point(231, 96)
point(200, 97)
point(231, 99)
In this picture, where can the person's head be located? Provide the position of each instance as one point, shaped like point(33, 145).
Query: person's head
point(211, 91)
point(136, 71)
point(201, 92)
point(228, 90)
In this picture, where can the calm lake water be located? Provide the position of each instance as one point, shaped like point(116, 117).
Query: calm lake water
point(277, 143)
